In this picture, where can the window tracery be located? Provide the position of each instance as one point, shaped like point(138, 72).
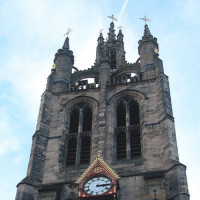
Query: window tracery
point(128, 141)
point(79, 139)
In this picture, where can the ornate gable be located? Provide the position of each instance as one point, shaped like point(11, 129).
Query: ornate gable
point(98, 168)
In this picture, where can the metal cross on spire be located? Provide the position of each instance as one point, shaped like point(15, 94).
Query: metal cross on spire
point(68, 32)
point(145, 19)
point(100, 31)
point(112, 17)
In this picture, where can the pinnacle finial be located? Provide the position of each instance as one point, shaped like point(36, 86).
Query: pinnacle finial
point(147, 32)
point(66, 44)
point(111, 34)
point(120, 35)
point(100, 33)
point(120, 29)
point(100, 38)
point(99, 154)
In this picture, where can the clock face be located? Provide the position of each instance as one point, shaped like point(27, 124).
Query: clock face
point(97, 185)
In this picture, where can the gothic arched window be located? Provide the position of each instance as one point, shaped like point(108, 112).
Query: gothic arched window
point(128, 140)
point(79, 138)
point(113, 59)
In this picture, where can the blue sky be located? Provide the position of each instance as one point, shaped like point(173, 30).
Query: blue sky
point(32, 31)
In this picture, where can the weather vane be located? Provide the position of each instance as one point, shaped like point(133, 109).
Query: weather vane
point(119, 27)
point(145, 19)
point(68, 32)
point(112, 17)
point(100, 31)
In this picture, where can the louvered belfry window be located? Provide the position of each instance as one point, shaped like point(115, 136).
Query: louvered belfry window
point(79, 137)
point(128, 141)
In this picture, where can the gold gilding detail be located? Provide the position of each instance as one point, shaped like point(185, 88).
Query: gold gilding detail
point(54, 66)
point(114, 188)
point(156, 51)
point(97, 161)
point(99, 154)
point(98, 170)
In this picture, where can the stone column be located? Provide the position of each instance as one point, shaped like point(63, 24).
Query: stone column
point(104, 81)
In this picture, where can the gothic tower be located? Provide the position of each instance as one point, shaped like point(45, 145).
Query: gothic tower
point(107, 132)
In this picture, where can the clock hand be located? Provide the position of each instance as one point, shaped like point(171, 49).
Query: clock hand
point(102, 185)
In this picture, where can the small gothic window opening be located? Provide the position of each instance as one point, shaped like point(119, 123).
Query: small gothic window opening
point(79, 137)
point(128, 141)
point(113, 59)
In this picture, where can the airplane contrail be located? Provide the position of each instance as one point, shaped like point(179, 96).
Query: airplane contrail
point(122, 10)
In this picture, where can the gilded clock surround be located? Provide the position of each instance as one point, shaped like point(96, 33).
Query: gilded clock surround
point(98, 168)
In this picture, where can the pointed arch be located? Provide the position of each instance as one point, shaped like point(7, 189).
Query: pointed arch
point(80, 112)
point(127, 127)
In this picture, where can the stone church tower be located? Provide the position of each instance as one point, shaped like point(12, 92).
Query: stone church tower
point(107, 132)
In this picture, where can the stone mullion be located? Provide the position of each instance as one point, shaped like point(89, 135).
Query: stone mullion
point(78, 148)
point(128, 147)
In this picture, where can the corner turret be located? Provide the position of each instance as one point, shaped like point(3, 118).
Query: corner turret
point(100, 48)
point(120, 36)
point(147, 47)
point(63, 62)
point(100, 39)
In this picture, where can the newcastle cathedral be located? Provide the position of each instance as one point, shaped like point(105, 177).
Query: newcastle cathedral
point(106, 132)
